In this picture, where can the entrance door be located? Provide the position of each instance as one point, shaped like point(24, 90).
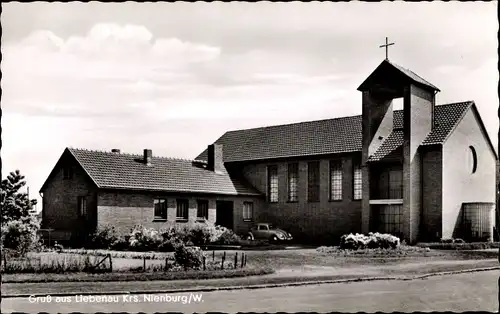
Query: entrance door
point(224, 214)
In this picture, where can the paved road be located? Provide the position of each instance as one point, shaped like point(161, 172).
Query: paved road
point(465, 292)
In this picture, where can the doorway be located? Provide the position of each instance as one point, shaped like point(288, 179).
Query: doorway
point(224, 214)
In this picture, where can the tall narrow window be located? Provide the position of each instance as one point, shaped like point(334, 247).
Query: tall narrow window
point(395, 184)
point(160, 208)
point(247, 211)
point(182, 209)
point(335, 180)
point(293, 174)
point(202, 212)
point(357, 181)
point(313, 181)
point(82, 206)
point(272, 184)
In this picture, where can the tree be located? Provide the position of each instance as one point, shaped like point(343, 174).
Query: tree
point(19, 227)
point(15, 205)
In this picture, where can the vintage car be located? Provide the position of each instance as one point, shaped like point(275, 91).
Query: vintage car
point(266, 231)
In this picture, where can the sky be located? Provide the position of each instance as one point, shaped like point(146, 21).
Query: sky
point(174, 77)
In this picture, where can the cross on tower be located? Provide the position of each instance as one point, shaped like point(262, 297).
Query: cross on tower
point(387, 44)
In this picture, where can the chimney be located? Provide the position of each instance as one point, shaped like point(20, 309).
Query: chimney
point(148, 156)
point(115, 150)
point(215, 158)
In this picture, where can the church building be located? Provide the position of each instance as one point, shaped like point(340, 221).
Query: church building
point(423, 173)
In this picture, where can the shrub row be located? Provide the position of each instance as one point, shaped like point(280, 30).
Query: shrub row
point(461, 246)
point(165, 240)
point(370, 241)
point(400, 251)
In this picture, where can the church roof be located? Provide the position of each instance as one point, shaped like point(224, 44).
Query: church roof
point(388, 70)
point(331, 136)
point(126, 171)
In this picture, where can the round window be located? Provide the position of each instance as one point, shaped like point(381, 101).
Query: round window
point(472, 159)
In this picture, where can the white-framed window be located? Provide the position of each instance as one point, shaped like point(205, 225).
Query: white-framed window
point(357, 182)
point(248, 211)
point(272, 184)
point(335, 180)
point(293, 176)
point(160, 205)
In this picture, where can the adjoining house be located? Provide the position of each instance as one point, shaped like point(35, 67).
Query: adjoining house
point(87, 189)
point(423, 173)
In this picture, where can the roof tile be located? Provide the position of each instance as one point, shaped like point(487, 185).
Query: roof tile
point(328, 136)
point(127, 171)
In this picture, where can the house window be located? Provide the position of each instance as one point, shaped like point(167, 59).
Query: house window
point(335, 180)
point(358, 182)
point(272, 177)
point(247, 211)
point(67, 172)
point(82, 206)
point(182, 209)
point(160, 208)
point(293, 174)
point(313, 181)
point(202, 212)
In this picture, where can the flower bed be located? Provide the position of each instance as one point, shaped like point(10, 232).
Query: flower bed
point(143, 239)
point(400, 251)
point(370, 241)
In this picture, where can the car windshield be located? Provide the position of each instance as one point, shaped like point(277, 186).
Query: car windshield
point(272, 227)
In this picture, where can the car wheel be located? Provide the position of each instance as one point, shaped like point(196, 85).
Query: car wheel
point(273, 239)
point(249, 237)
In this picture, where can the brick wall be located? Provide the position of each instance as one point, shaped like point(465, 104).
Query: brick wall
point(417, 117)
point(60, 200)
point(124, 210)
point(319, 219)
point(432, 201)
point(415, 197)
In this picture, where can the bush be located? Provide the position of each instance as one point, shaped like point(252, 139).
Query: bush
point(20, 237)
point(145, 239)
point(104, 238)
point(121, 243)
point(372, 241)
point(400, 251)
point(204, 234)
point(165, 240)
point(228, 237)
point(176, 234)
point(189, 257)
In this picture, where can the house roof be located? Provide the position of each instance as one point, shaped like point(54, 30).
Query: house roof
point(387, 69)
point(331, 136)
point(126, 171)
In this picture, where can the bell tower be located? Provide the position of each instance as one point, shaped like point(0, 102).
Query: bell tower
point(387, 82)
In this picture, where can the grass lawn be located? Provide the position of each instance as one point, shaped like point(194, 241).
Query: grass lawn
point(299, 262)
